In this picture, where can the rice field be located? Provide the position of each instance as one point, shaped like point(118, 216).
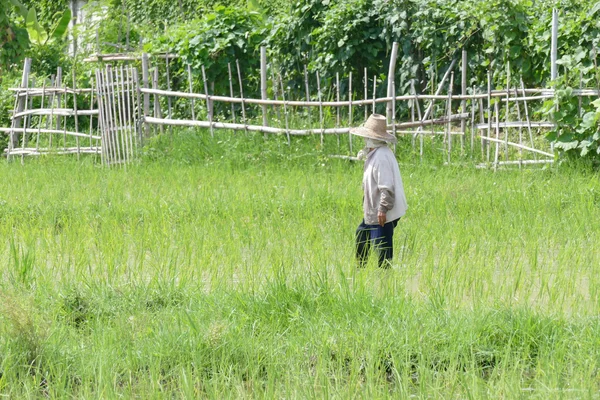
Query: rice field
point(224, 269)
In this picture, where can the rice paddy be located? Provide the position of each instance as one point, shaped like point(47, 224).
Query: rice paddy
point(224, 269)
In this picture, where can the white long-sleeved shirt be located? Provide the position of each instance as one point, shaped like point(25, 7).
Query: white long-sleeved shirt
point(382, 186)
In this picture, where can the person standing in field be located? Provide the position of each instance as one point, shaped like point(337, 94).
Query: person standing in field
point(384, 202)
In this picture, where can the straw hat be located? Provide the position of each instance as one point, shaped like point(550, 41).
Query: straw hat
point(374, 128)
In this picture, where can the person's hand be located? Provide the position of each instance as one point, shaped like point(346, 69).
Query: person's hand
point(381, 218)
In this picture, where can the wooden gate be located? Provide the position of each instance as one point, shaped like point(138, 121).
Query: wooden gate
point(118, 104)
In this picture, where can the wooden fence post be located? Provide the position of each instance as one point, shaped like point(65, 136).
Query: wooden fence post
point(391, 79)
point(263, 82)
point(14, 137)
point(463, 107)
point(554, 44)
point(145, 83)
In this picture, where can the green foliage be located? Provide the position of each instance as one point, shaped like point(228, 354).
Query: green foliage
point(217, 39)
point(39, 36)
point(577, 131)
point(47, 10)
point(13, 37)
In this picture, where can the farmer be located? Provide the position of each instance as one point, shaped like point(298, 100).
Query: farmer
point(384, 201)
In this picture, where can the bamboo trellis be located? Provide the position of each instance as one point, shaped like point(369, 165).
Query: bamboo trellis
point(121, 103)
point(40, 119)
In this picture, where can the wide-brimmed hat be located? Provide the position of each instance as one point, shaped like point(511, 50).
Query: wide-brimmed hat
point(374, 128)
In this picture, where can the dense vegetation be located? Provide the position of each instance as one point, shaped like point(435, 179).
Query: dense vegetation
point(508, 37)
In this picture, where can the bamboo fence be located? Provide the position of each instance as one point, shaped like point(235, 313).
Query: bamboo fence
point(499, 120)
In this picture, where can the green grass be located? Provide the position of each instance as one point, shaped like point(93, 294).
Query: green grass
point(224, 269)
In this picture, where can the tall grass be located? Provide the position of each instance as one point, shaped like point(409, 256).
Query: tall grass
point(224, 268)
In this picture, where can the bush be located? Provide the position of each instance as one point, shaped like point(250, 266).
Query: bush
point(217, 39)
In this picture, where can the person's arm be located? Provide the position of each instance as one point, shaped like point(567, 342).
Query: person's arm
point(385, 184)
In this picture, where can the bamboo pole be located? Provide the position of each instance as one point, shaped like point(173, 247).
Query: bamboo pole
point(130, 103)
point(58, 83)
point(25, 126)
point(275, 93)
point(254, 128)
point(527, 114)
point(239, 73)
point(521, 162)
point(169, 101)
point(122, 126)
point(37, 141)
point(33, 152)
point(579, 97)
point(489, 112)
point(191, 89)
point(20, 104)
point(92, 82)
point(307, 90)
point(463, 84)
point(50, 120)
point(145, 82)
point(368, 102)
point(137, 106)
point(482, 121)
point(366, 94)
point(157, 109)
point(473, 104)
point(533, 150)
point(350, 120)
point(209, 108)
point(65, 112)
point(507, 111)
point(114, 121)
point(394, 109)
point(374, 92)
point(285, 112)
point(449, 111)
point(30, 120)
point(263, 82)
point(321, 123)
point(51, 131)
point(127, 111)
point(554, 45)
point(520, 128)
point(531, 94)
point(391, 78)
point(107, 142)
point(337, 98)
point(418, 107)
point(497, 140)
point(517, 124)
point(231, 91)
point(412, 107)
point(75, 110)
point(434, 121)
point(101, 120)
point(429, 109)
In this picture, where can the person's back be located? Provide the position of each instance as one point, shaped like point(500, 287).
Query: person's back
point(384, 201)
point(382, 174)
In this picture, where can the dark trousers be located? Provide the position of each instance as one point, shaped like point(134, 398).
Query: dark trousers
point(381, 237)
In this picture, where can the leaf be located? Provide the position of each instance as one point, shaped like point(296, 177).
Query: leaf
point(37, 34)
point(584, 151)
point(62, 25)
point(20, 6)
point(566, 146)
point(589, 120)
